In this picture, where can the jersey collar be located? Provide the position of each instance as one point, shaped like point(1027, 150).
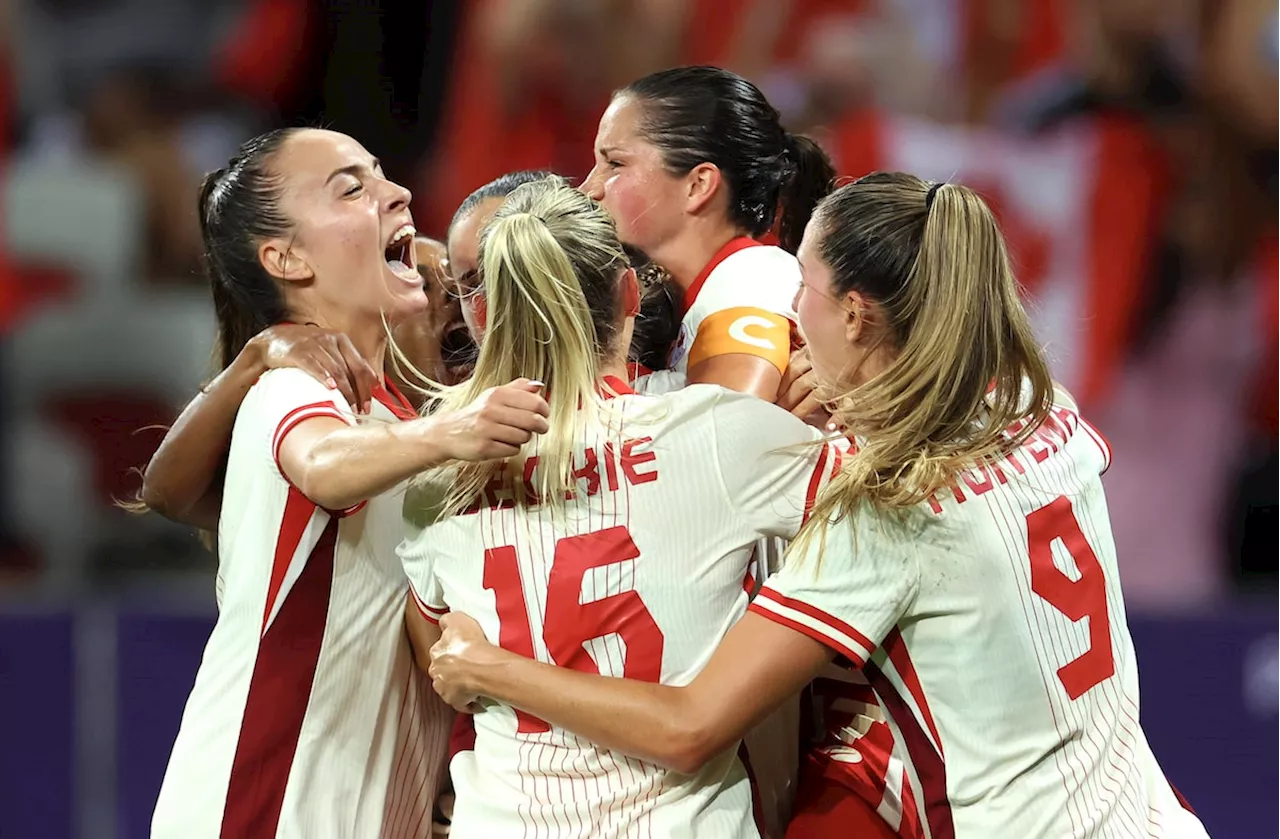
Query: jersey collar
point(730, 248)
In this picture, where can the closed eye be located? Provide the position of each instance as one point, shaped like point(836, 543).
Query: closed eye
point(353, 190)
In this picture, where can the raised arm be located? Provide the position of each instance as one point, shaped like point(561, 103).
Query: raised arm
point(338, 465)
point(758, 665)
point(180, 481)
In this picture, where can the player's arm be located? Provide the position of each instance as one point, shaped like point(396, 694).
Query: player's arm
point(423, 632)
point(181, 480)
point(756, 667)
point(338, 465)
point(741, 372)
point(744, 349)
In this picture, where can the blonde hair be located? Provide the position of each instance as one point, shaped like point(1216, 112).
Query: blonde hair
point(967, 366)
point(550, 263)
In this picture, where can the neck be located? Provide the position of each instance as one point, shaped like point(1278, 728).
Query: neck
point(615, 365)
point(689, 251)
point(369, 338)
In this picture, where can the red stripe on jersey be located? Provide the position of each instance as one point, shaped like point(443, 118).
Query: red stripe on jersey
point(805, 629)
point(615, 387)
point(393, 400)
point(819, 615)
point(298, 510)
point(1186, 805)
point(730, 248)
point(428, 612)
point(928, 763)
point(298, 416)
point(897, 650)
point(1100, 441)
point(815, 483)
point(279, 692)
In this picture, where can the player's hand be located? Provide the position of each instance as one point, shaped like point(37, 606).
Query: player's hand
point(462, 646)
point(326, 355)
point(496, 425)
point(797, 392)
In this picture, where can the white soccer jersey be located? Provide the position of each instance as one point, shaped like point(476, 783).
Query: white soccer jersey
point(989, 623)
point(742, 302)
point(308, 718)
point(641, 576)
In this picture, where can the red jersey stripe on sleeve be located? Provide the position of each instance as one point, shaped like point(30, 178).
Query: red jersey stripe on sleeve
point(298, 416)
point(763, 607)
point(835, 624)
point(430, 613)
point(805, 629)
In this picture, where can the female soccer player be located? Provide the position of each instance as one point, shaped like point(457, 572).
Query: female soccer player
point(618, 542)
point(961, 561)
point(305, 718)
point(694, 166)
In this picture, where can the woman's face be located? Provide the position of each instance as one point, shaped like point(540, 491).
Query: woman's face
point(630, 181)
point(824, 317)
point(464, 263)
point(351, 250)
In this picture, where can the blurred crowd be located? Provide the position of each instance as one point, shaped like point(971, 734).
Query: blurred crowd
point(1129, 147)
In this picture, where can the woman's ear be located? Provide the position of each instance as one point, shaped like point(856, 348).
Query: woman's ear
point(856, 312)
point(702, 183)
point(284, 261)
point(630, 293)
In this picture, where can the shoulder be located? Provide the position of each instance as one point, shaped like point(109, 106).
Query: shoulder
point(743, 420)
point(763, 277)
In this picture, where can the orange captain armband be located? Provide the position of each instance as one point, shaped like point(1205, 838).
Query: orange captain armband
point(744, 329)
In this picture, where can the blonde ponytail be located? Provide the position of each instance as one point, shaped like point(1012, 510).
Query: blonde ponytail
point(550, 262)
point(967, 366)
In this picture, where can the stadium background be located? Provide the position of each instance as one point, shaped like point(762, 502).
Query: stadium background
point(1129, 147)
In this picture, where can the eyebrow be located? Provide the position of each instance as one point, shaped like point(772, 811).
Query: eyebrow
point(354, 169)
point(607, 150)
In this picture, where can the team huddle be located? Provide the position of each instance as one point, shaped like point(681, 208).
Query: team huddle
point(701, 499)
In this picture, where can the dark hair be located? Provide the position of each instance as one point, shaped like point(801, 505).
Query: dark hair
point(709, 115)
point(658, 322)
point(499, 187)
point(239, 206)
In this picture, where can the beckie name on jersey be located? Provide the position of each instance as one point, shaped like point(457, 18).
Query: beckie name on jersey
point(1045, 441)
point(609, 466)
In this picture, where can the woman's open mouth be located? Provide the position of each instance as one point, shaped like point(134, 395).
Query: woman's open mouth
point(400, 255)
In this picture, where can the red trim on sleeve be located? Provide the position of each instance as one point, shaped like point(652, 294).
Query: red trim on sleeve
point(730, 248)
point(298, 416)
point(805, 629)
point(824, 617)
point(430, 613)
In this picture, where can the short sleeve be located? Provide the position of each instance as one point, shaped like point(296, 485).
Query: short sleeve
point(417, 554)
point(772, 464)
point(849, 587)
point(289, 397)
point(746, 307)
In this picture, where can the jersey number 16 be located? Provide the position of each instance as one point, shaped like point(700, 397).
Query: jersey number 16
point(568, 623)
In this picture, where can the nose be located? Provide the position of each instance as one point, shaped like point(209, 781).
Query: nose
point(593, 186)
point(398, 197)
point(795, 301)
